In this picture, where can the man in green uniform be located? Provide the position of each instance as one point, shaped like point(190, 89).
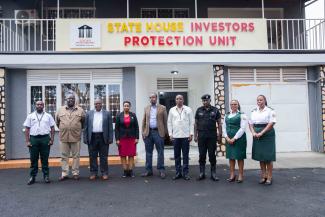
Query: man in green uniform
point(39, 135)
point(206, 119)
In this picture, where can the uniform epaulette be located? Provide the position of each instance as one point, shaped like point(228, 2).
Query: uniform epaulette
point(255, 109)
point(270, 108)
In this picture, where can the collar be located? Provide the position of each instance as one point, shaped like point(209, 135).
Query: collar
point(208, 108)
point(74, 108)
point(97, 111)
point(233, 112)
point(153, 106)
point(180, 107)
point(264, 109)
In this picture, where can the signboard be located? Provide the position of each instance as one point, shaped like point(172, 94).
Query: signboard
point(161, 34)
point(85, 36)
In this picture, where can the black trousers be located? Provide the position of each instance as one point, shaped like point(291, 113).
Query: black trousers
point(40, 147)
point(208, 144)
point(97, 147)
point(181, 146)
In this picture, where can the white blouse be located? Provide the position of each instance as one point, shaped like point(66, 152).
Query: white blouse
point(243, 124)
point(265, 116)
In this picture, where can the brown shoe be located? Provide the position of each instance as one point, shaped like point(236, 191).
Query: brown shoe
point(92, 177)
point(76, 177)
point(105, 177)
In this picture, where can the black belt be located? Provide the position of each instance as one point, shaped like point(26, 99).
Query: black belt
point(154, 128)
point(41, 136)
point(97, 133)
point(260, 125)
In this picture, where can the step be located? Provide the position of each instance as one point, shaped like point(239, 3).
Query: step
point(53, 162)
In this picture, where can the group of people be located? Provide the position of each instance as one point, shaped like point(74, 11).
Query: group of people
point(181, 125)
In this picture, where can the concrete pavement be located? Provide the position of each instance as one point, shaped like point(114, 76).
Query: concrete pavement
point(283, 160)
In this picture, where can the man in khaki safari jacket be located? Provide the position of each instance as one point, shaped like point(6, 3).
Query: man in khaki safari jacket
point(70, 120)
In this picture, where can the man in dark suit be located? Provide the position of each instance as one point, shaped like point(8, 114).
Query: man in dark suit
point(98, 134)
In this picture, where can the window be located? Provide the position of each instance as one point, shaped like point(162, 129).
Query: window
point(53, 86)
point(47, 94)
point(70, 12)
point(73, 12)
point(164, 13)
point(111, 96)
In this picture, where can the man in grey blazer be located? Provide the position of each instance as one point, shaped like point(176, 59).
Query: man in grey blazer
point(98, 134)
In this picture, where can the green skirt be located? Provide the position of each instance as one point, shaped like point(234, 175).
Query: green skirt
point(237, 151)
point(264, 147)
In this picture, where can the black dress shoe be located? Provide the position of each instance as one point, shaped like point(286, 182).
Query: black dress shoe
point(186, 177)
point(47, 179)
point(201, 177)
point(31, 181)
point(214, 178)
point(146, 174)
point(178, 176)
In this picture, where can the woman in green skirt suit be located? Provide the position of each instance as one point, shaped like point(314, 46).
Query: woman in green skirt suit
point(261, 125)
point(234, 126)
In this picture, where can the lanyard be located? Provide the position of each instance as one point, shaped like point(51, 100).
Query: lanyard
point(39, 119)
point(179, 113)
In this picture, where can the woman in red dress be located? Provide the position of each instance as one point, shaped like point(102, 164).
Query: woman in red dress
point(127, 136)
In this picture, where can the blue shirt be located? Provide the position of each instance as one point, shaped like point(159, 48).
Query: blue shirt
point(153, 116)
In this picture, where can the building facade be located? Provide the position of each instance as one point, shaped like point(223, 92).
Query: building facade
point(126, 49)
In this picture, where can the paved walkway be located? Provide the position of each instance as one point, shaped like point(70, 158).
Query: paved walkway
point(284, 160)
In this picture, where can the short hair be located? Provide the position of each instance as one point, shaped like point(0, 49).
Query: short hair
point(70, 95)
point(126, 101)
point(153, 94)
point(98, 99)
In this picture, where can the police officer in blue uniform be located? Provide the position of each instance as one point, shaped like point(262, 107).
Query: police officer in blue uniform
point(207, 134)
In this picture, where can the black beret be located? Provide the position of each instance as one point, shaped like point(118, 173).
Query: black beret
point(206, 96)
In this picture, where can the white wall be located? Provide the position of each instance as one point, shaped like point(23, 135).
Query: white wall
point(201, 81)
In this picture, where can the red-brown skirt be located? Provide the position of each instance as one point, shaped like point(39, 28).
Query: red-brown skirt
point(127, 147)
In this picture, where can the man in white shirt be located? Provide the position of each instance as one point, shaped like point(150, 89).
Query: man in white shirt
point(39, 135)
point(98, 134)
point(181, 130)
